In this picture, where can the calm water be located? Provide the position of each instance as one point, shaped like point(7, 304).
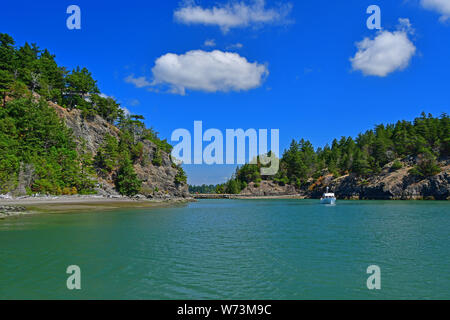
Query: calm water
point(232, 249)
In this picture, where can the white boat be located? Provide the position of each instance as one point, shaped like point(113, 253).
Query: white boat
point(328, 198)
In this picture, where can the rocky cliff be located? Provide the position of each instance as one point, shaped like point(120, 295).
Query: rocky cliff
point(157, 181)
point(389, 184)
point(268, 188)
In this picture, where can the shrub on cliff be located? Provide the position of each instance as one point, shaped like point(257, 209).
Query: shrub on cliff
point(180, 177)
point(157, 158)
point(396, 165)
point(127, 182)
point(106, 159)
point(426, 166)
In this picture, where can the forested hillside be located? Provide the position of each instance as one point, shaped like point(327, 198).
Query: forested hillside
point(422, 146)
point(38, 151)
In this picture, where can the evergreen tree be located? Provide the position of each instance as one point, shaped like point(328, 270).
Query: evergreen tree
point(180, 177)
point(127, 182)
point(232, 187)
point(7, 52)
point(6, 82)
point(427, 138)
point(33, 136)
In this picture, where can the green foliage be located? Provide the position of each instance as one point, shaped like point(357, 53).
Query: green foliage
point(282, 180)
point(87, 178)
point(31, 133)
point(248, 173)
point(206, 189)
point(360, 164)
point(7, 52)
point(106, 107)
point(233, 187)
point(38, 71)
point(396, 165)
point(51, 77)
point(151, 135)
point(80, 82)
point(6, 82)
point(426, 165)
point(33, 136)
point(220, 189)
point(157, 158)
point(372, 150)
point(107, 157)
point(427, 138)
point(127, 182)
point(137, 152)
point(180, 177)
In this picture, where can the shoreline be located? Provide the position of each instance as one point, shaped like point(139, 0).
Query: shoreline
point(302, 196)
point(13, 207)
point(244, 196)
point(72, 204)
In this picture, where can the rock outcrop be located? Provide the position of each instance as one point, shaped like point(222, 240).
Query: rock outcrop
point(157, 181)
point(268, 188)
point(389, 184)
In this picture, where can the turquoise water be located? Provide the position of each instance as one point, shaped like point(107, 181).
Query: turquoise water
point(232, 249)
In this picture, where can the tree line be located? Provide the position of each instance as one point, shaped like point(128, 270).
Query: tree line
point(426, 139)
point(203, 189)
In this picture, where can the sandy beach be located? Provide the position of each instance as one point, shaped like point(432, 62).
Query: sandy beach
point(67, 204)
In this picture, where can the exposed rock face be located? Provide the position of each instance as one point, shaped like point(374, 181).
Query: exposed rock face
point(161, 177)
point(92, 131)
point(388, 184)
point(157, 181)
point(26, 175)
point(268, 188)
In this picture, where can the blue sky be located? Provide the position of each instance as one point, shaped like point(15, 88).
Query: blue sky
point(295, 58)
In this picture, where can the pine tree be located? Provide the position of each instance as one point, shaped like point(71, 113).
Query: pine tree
point(7, 52)
point(6, 82)
point(127, 182)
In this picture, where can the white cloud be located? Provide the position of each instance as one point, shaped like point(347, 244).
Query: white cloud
point(209, 43)
point(232, 14)
point(405, 25)
point(440, 6)
point(140, 82)
point(235, 46)
point(386, 53)
point(207, 71)
point(133, 102)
